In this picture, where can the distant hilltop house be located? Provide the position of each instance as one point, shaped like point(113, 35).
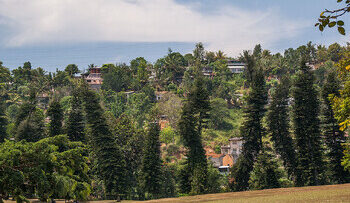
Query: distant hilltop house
point(94, 78)
point(228, 157)
point(236, 66)
point(160, 94)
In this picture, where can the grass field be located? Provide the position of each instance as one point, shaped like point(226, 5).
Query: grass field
point(328, 193)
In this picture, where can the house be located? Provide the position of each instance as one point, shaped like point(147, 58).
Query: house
point(160, 94)
point(208, 71)
point(234, 148)
point(236, 66)
point(216, 159)
point(94, 78)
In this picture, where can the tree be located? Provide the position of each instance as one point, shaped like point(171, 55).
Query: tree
point(116, 78)
point(330, 17)
point(333, 136)
point(3, 123)
point(151, 172)
point(252, 131)
point(250, 62)
point(131, 143)
point(265, 174)
point(307, 129)
point(55, 113)
point(75, 126)
point(170, 106)
point(51, 167)
point(29, 123)
point(334, 52)
point(72, 69)
point(278, 126)
point(194, 116)
point(110, 166)
point(199, 52)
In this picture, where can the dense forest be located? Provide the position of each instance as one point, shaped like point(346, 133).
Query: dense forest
point(144, 133)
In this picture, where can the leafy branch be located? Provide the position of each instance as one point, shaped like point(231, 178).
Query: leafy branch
point(330, 18)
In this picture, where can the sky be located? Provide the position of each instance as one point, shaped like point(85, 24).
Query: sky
point(54, 33)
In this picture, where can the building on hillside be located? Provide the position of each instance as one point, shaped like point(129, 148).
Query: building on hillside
point(208, 71)
point(94, 78)
point(160, 94)
point(234, 148)
point(236, 66)
point(220, 161)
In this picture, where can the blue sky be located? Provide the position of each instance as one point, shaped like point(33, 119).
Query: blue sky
point(54, 33)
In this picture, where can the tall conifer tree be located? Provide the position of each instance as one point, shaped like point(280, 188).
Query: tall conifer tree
point(278, 126)
point(75, 125)
point(193, 118)
point(55, 113)
point(307, 129)
point(151, 173)
point(252, 131)
point(3, 123)
point(110, 164)
point(333, 136)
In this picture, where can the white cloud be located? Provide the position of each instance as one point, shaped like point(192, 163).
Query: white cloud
point(54, 21)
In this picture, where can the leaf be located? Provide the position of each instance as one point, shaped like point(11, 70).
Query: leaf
point(340, 22)
point(320, 27)
point(338, 1)
point(317, 24)
point(322, 14)
point(332, 24)
point(341, 30)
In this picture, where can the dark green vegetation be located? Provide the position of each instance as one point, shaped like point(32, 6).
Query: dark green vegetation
point(145, 134)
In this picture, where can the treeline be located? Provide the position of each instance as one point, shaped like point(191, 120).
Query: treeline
point(59, 139)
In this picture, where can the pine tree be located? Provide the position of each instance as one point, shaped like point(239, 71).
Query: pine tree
point(110, 164)
point(265, 174)
point(29, 123)
point(252, 132)
point(151, 178)
point(307, 129)
point(193, 119)
point(3, 123)
point(333, 136)
point(278, 126)
point(131, 143)
point(75, 126)
point(55, 113)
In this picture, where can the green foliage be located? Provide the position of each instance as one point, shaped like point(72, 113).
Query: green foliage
point(194, 116)
point(72, 69)
point(219, 114)
point(41, 166)
point(116, 78)
point(330, 17)
point(29, 123)
point(55, 113)
point(252, 131)
point(168, 135)
point(110, 166)
point(334, 137)
point(307, 129)
point(151, 172)
point(265, 174)
point(75, 125)
point(3, 123)
point(278, 126)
